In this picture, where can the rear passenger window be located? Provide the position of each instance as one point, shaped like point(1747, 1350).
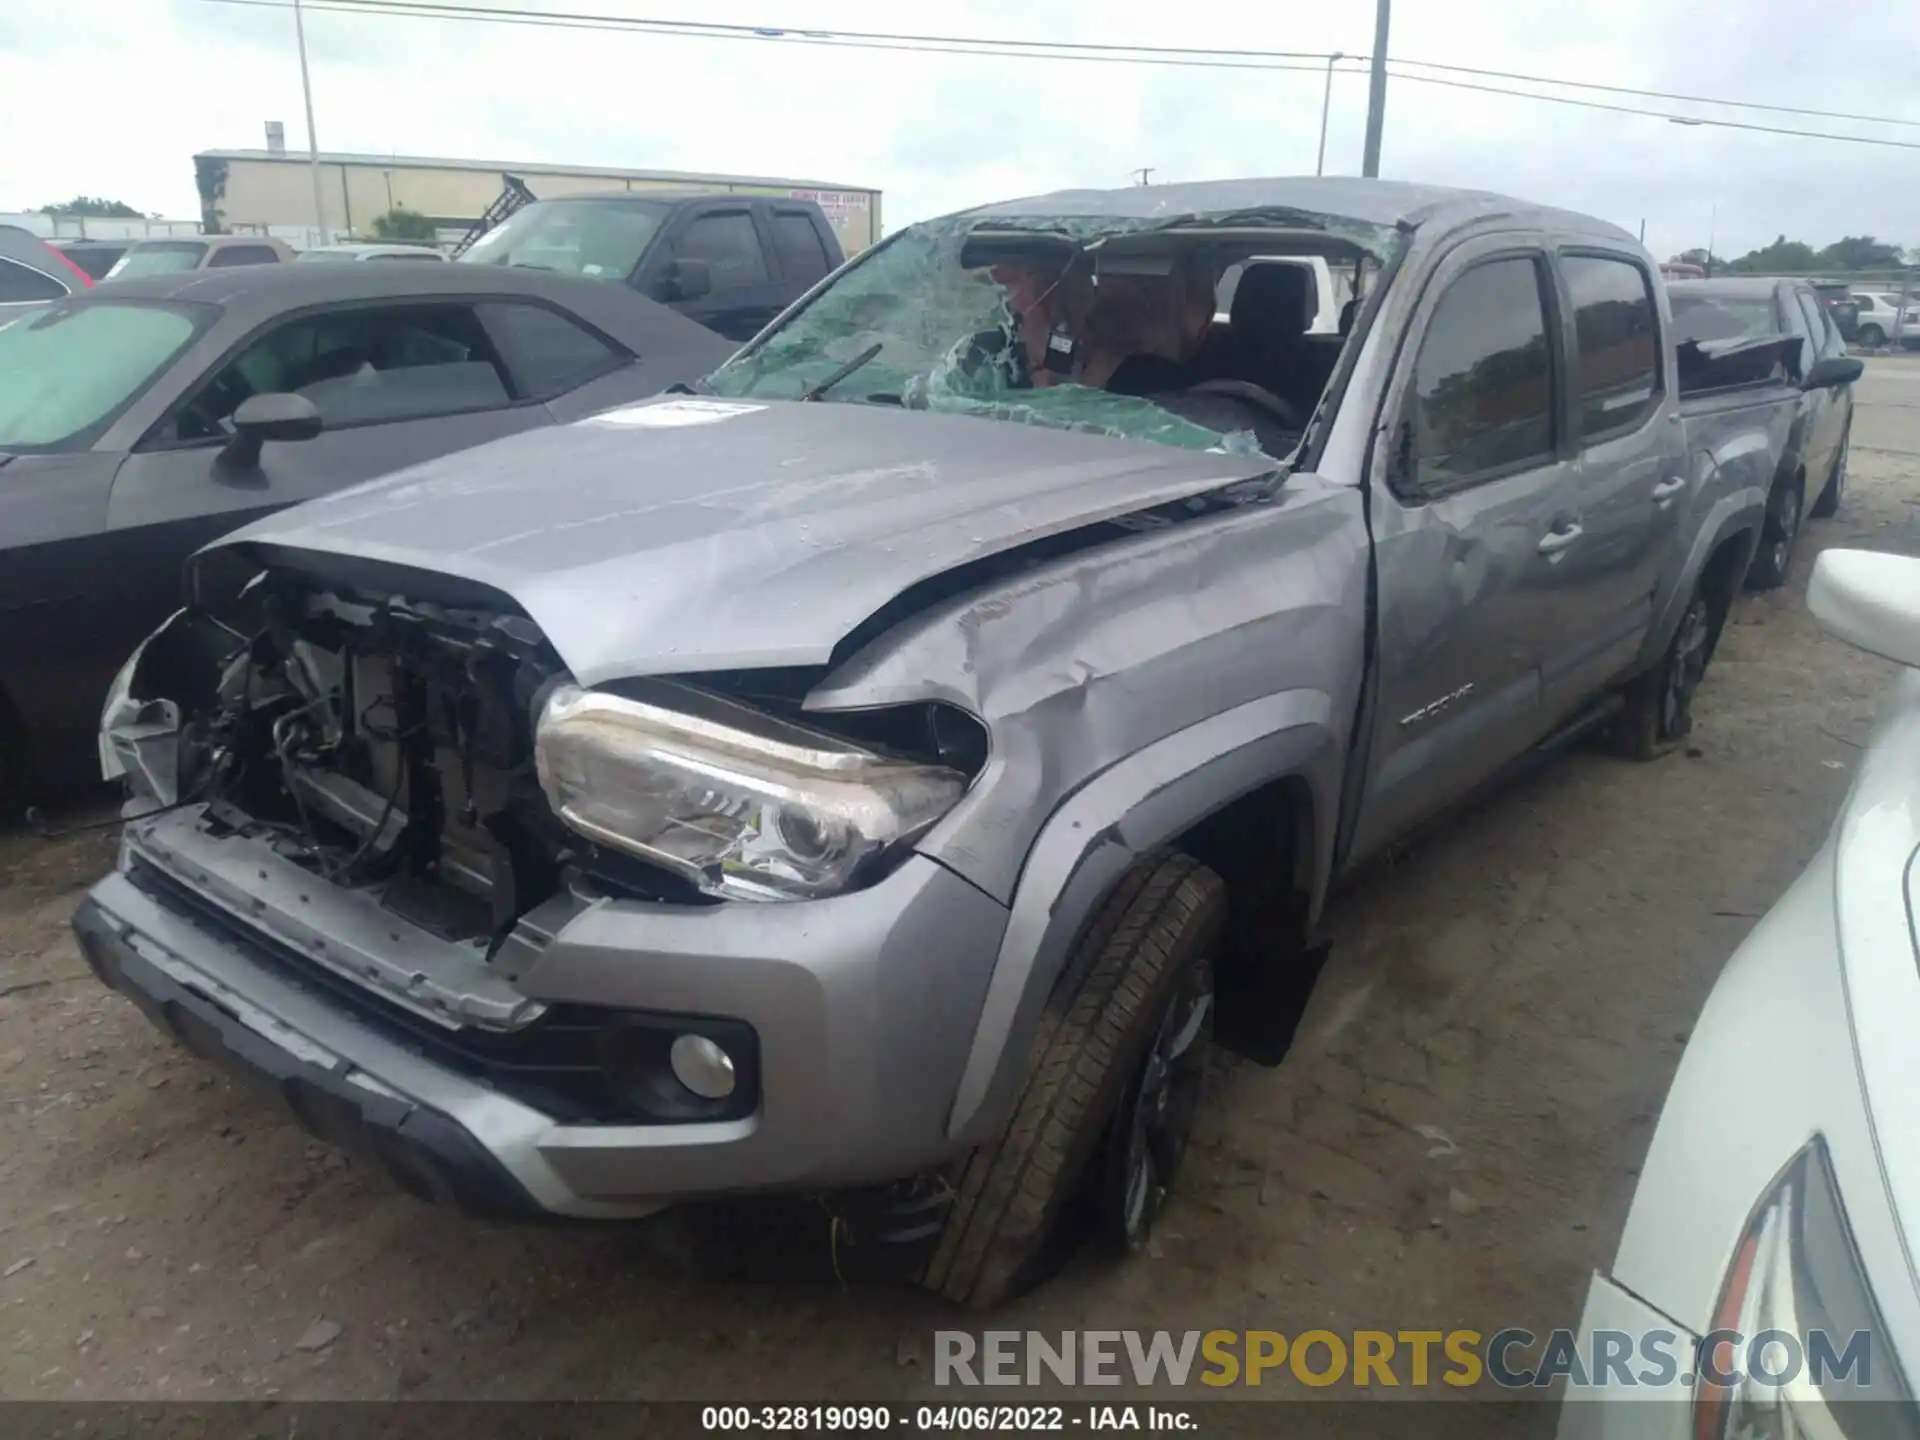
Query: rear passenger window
point(243, 255)
point(1616, 376)
point(547, 353)
point(802, 256)
point(1483, 383)
point(729, 244)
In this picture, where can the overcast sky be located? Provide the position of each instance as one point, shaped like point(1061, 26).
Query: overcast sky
point(112, 97)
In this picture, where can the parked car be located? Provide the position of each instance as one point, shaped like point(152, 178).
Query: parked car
point(1782, 1188)
point(201, 252)
point(1812, 477)
point(32, 273)
point(880, 774)
point(149, 416)
point(356, 250)
point(1682, 270)
point(94, 257)
point(731, 262)
point(1881, 317)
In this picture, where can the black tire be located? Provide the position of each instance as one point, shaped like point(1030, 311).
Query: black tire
point(1157, 929)
point(1773, 561)
point(1828, 505)
point(14, 771)
point(1872, 336)
point(1659, 704)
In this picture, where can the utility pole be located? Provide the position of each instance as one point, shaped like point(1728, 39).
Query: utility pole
point(1326, 101)
point(1143, 172)
point(313, 143)
point(1376, 91)
point(1713, 225)
point(1643, 229)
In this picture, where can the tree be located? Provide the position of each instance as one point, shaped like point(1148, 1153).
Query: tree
point(401, 223)
point(1859, 252)
point(1782, 257)
point(210, 179)
point(93, 206)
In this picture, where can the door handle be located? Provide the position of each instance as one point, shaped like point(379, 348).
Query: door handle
point(1559, 538)
point(1667, 489)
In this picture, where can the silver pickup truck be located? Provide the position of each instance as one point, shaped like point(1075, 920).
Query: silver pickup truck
point(882, 774)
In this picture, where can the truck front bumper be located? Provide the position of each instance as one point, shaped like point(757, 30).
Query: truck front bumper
point(862, 1007)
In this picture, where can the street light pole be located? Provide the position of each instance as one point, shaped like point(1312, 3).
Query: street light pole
point(1376, 91)
point(313, 144)
point(1326, 101)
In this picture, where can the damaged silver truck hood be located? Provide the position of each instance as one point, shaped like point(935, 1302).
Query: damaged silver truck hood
point(690, 534)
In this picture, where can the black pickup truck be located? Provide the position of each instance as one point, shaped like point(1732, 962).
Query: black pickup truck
point(731, 262)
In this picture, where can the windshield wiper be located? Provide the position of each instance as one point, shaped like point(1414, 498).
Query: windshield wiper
point(814, 392)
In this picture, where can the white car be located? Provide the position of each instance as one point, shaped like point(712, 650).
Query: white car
point(1881, 317)
point(1782, 1189)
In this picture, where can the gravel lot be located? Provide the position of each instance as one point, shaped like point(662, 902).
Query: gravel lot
point(1453, 1141)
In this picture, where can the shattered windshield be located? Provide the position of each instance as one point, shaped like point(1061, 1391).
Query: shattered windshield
point(1101, 326)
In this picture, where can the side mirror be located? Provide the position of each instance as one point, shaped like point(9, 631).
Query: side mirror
point(268, 417)
point(1834, 370)
point(1870, 600)
point(690, 279)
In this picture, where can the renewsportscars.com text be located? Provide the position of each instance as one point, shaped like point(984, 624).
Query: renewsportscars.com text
point(1511, 1359)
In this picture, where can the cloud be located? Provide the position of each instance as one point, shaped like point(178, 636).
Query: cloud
point(939, 132)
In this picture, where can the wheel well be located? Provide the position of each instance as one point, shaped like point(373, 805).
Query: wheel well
point(1720, 579)
point(1262, 846)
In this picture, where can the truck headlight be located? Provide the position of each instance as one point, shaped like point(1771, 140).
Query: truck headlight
point(1796, 1275)
point(743, 804)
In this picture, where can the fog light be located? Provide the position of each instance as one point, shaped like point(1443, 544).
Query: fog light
point(702, 1066)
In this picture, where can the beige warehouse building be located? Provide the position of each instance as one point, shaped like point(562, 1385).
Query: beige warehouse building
point(244, 189)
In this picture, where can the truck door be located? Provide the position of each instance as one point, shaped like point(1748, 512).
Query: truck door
point(1630, 469)
point(1475, 513)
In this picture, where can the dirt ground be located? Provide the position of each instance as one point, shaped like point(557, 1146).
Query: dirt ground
point(1452, 1142)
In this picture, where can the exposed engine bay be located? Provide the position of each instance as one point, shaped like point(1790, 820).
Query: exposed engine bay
point(387, 745)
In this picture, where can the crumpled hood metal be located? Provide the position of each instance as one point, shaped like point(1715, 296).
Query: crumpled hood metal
point(758, 538)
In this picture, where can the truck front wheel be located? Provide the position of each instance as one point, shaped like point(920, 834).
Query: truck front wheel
point(1110, 1093)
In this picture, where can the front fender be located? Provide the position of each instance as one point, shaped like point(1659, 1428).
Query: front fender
point(1106, 827)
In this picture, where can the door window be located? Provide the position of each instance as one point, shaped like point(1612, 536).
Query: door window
point(802, 256)
point(1616, 367)
point(20, 283)
point(359, 367)
point(729, 244)
point(1484, 381)
point(1826, 339)
point(243, 255)
point(546, 353)
point(1797, 325)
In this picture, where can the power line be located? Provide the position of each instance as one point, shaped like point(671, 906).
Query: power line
point(1660, 94)
point(697, 30)
point(1148, 54)
point(1092, 52)
point(1658, 114)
